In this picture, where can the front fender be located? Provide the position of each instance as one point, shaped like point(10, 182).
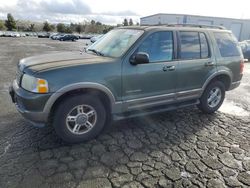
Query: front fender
point(82, 85)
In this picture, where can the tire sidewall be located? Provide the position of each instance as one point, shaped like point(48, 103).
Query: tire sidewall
point(66, 106)
point(203, 101)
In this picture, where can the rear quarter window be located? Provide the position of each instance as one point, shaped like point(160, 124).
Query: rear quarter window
point(227, 44)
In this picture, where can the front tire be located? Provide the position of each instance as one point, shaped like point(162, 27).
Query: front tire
point(212, 98)
point(79, 118)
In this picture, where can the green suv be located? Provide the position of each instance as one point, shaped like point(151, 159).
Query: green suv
point(130, 71)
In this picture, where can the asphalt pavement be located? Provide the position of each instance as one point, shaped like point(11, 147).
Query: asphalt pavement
point(182, 148)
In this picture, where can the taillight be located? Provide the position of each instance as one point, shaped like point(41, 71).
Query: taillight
point(241, 66)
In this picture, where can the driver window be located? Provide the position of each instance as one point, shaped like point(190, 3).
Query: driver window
point(159, 46)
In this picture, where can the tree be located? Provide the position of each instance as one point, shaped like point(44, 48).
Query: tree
point(53, 27)
point(61, 28)
point(131, 21)
point(68, 29)
point(2, 26)
point(137, 23)
point(92, 22)
point(47, 27)
point(98, 23)
point(32, 27)
point(79, 28)
point(125, 22)
point(10, 23)
point(107, 29)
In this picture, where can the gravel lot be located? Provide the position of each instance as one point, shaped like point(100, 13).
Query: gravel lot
point(183, 148)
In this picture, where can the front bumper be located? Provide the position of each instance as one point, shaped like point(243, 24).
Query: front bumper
point(29, 105)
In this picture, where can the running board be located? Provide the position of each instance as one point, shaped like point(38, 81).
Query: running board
point(148, 111)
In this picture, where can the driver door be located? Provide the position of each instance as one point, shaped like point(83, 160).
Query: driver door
point(153, 83)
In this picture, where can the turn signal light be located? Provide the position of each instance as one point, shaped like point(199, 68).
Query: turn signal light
point(42, 86)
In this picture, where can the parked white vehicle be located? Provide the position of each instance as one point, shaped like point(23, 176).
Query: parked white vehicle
point(15, 34)
point(22, 35)
point(96, 38)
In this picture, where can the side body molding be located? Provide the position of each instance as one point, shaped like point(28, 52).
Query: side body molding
point(88, 85)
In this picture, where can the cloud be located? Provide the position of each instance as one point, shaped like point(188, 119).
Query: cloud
point(121, 13)
point(69, 7)
point(66, 11)
point(26, 6)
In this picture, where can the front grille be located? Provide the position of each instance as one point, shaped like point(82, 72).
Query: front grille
point(19, 75)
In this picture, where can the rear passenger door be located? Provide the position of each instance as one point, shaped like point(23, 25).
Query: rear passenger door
point(196, 63)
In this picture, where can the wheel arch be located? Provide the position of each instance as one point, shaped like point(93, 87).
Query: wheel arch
point(80, 88)
point(224, 76)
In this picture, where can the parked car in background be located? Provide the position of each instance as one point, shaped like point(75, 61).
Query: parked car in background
point(131, 71)
point(52, 35)
point(84, 36)
point(57, 36)
point(245, 47)
point(22, 34)
point(68, 37)
point(15, 34)
point(95, 38)
point(31, 34)
point(11, 34)
point(43, 35)
point(7, 34)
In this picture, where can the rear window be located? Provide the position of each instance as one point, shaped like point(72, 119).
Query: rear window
point(227, 44)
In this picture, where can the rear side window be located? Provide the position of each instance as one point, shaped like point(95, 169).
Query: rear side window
point(190, 45)
point(204, 46)
point(227, 44)
point(194, 45)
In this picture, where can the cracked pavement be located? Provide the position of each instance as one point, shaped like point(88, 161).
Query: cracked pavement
point(182, 148)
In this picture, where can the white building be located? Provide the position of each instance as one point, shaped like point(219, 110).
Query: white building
point(240, 27)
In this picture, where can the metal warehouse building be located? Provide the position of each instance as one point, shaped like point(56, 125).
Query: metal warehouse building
point(240, 27)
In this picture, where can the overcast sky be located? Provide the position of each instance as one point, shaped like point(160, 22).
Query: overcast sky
point(114, 11)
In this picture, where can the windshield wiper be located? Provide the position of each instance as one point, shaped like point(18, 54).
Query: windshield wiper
point(96, 52)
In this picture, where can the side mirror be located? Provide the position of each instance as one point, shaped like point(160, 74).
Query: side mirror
point(139, 58)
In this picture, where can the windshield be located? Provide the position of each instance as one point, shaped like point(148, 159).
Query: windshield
point(116, 42)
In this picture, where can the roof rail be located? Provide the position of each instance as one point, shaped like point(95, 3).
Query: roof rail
point(199, 25)
point(190, 25)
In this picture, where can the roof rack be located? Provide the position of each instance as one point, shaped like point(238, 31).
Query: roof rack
point(191, 25)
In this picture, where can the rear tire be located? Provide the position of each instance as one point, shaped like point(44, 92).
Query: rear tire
point(212, 98)
point(79, 118)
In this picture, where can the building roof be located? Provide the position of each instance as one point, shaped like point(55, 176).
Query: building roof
point(213, 17)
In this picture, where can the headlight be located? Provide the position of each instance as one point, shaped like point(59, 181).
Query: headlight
point(35, 85)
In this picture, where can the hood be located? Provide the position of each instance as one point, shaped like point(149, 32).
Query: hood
point(58, 60)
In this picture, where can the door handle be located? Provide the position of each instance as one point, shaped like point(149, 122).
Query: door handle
point(169, 68)
point(209, 64)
